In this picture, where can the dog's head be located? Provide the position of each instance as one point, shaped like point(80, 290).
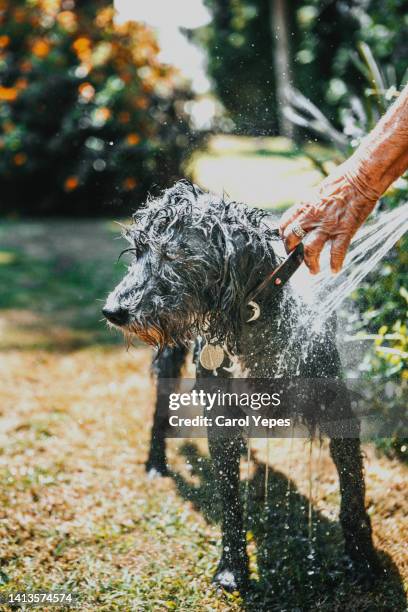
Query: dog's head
point(195, 258)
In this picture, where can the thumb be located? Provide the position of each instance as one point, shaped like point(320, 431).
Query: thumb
point(306, 221)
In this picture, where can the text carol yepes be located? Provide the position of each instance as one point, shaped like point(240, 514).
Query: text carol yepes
point(222, 421)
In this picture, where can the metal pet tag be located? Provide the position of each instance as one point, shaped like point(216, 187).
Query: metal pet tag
point(211, 356)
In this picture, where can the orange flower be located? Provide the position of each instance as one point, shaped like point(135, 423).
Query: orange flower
point(81, 44)
point(26, 66)
point(19, 15)
point(126, 77)
point(21, 84)
point(20, 159)
point(4, 41)
point(129, 183)
point(104, 17)
point(102, 114)
point(8, 94)
point(133, 139)
point(8, 126)
point(87, 91)
point(124, 117)
point(67, 20)
point(71, 183)
point(142, 102)
point(41, 48)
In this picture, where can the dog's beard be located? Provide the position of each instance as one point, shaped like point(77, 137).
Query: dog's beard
point(177, 332)
point(152, 334)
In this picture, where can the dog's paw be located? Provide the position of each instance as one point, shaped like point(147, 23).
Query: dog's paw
point(365, 568)
point(156, 469)
point(232, 577)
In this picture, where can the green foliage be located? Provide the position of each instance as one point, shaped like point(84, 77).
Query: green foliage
point(240, 61)
point(89, 118)
point(328, 36)
point(323, 37)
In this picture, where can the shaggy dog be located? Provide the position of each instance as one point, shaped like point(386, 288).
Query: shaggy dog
point(197, 257)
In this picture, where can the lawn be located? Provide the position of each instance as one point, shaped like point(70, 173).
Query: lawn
point(78, 511)
point(265, 172)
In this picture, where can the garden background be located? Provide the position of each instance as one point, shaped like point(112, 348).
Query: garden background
point(91, 119)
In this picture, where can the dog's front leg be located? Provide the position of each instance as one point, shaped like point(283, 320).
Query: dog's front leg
point(168, 368)
point(232, 571)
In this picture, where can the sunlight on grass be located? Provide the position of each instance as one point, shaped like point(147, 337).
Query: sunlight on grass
point(264, 172)
point(6, 258)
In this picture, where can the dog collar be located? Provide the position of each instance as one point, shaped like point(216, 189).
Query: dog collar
point(277, 278)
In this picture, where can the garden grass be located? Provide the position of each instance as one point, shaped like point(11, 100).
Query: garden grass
point(266, 172)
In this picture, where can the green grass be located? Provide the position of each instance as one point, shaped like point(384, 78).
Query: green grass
point(60, 273)
point(266, 172)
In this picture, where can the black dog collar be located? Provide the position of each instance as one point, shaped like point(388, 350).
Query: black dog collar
point(278, 278)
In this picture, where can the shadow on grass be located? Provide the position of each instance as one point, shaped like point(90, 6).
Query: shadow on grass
point(294, 571)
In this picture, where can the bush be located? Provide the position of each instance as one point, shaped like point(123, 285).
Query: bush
point(89, 117)
point(322, 35)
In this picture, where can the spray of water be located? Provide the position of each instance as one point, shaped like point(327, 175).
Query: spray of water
point(310, 505)
point(266, 482)
point(246, 493)
point(325, 292)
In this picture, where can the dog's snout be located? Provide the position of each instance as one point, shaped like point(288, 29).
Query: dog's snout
point(118, 316)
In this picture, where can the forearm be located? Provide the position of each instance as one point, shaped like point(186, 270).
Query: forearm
point(347, 196)
point(383, 155)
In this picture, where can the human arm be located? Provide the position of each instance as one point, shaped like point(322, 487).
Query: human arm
point(346, 197)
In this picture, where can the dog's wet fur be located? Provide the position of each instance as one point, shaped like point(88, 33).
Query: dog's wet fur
point(196, 258)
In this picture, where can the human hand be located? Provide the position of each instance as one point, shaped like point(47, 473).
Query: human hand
point(334, 213)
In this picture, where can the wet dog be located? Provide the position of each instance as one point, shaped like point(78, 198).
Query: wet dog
point(196, 259)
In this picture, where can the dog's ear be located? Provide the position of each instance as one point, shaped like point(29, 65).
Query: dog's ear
point(251, 259)
point(244, 262)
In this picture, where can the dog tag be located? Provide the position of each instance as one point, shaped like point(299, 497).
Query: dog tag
point(211, 356)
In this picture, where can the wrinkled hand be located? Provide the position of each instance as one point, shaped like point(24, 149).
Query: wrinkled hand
point(346, 197)
point(334, 213)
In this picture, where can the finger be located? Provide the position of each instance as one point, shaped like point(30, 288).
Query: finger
point(338, 251)
point(306, 210)
point(314, 244)
point(290, 240)
point(307, 222)
point(289, 216)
